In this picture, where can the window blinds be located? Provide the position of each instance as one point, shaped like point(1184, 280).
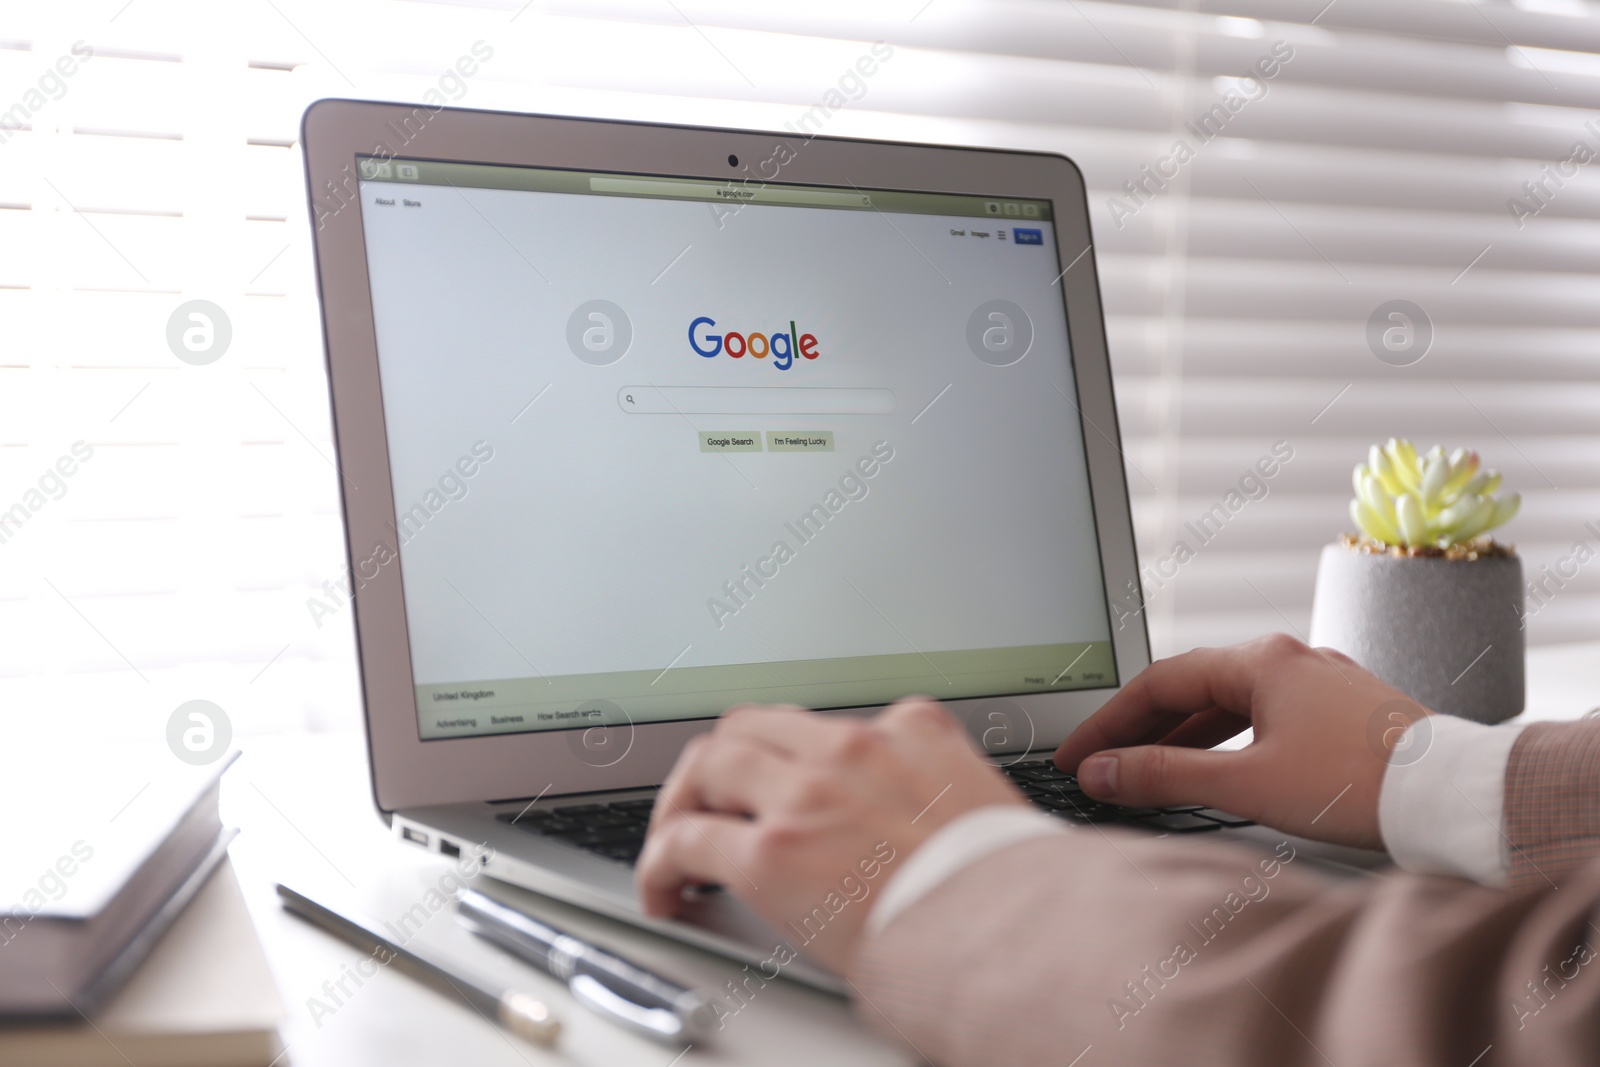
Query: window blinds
point(1267, 181)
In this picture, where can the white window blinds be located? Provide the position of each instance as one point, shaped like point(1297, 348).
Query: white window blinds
point(1265, 177)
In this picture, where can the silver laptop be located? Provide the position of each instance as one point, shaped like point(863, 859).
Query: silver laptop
point(638, 422)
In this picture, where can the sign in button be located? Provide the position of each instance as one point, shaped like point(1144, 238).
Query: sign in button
point(730, 441)
point(799, 440)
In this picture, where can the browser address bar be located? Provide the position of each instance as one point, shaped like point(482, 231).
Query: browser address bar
point(754, 400)
point(728, 191)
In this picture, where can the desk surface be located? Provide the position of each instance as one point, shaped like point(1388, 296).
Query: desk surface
point(307, 818)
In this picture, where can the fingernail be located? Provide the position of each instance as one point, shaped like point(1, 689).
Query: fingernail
point(1098, 775)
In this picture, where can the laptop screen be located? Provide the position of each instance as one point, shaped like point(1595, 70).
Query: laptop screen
point(660, 446)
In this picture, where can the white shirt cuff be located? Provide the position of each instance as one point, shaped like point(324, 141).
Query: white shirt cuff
point(952, 847)
point(1441, 806)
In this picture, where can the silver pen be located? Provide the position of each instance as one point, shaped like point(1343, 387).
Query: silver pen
point(629, 995)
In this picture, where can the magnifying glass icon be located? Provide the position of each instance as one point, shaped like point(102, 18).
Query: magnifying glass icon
point(628, 398)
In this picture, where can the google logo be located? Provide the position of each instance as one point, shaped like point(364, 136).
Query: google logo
point(782, 347)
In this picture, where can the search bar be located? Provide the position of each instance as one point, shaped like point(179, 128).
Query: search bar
point(757, 400)
point(728, 191)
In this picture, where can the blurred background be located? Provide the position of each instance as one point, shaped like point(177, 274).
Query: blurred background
point(1425, 151)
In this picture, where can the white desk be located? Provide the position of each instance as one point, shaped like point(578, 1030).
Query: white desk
point(307, 816)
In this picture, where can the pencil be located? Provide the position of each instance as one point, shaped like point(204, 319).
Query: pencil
point(519, 1012)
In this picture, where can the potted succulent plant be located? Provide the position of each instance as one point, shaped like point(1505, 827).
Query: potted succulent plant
point(1423, 597)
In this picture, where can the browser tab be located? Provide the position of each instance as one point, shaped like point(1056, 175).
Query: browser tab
point(728, 195)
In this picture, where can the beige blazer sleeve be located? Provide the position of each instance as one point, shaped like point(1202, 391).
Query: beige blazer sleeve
point(1130, 950)
point(1552, 802)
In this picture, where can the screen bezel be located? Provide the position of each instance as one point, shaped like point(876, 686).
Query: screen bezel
point(408, 771)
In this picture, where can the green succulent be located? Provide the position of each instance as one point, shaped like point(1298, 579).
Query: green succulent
point(1403, 499)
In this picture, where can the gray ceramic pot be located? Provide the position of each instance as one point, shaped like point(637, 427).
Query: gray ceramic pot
point(1447, 633)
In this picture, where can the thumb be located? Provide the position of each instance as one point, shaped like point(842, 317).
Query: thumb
point(1154, 776)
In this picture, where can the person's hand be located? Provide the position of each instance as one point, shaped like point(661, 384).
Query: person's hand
point(1324, 729)
point(804, 817)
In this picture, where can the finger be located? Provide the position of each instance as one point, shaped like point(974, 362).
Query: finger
point(1160, 698)
point(1156, 776)
point(918, 721)
point(1207, 729)
point(678, 791)
point(735, 777)
point(695, 848)
point(925, 732)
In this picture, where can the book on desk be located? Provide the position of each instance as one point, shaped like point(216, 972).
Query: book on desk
point(122, 927)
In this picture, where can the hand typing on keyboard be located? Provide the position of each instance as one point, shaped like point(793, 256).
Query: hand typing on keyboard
point(790, 810)
point(787, 809)
point(1323, 730)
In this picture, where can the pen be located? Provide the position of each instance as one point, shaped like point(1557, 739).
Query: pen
point(624, 992)
point(515, 1010)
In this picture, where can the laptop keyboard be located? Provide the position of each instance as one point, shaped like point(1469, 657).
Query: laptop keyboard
point(1057, 792)
point(616, 830)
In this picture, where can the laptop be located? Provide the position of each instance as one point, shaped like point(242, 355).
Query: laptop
point(637, 422)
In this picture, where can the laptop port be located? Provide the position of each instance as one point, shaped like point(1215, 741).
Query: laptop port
point(415, 836)
point(449, 848)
